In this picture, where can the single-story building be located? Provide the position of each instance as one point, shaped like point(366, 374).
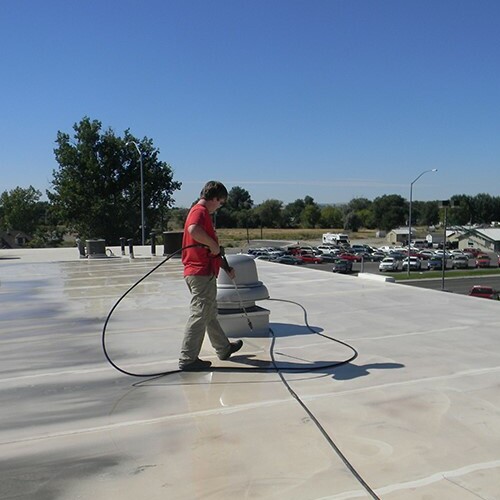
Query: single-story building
point(13, 239)
point(435, 240)
point(399, 235)
point(486, 239)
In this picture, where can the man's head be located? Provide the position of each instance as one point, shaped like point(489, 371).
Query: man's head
point(214, 190)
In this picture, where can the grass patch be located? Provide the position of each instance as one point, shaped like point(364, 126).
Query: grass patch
point(418, 275)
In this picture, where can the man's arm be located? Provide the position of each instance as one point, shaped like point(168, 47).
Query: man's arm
point(201, 236)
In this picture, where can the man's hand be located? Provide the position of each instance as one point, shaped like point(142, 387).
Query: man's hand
point(230, 272)
point(214, 248)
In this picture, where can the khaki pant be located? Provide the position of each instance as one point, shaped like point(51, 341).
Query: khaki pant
point(203, 317)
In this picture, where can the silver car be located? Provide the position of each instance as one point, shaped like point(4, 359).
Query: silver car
point(415, 264)
point(389, 264)
point(460, 262)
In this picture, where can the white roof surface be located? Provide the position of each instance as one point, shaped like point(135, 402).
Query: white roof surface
point(415, 416)
point(490, 232)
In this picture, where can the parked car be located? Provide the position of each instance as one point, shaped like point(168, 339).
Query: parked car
point(377, 256)
point(483, 260)
point(389, 264)
point(327, 249)
point(357, 248)
point(415, 264)
point(342, 266)
point(425, 254)
point(263, 257)
point(310, 258)
point(350, 256)
point(440, 252)
point(460, 261)
point(473, 252)
point(398, 255)
point(436, 263)
point(289, 259)
point(486, 292)
point(329, 257)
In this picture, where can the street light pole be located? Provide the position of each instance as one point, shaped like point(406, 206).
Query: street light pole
point(445, 205)
point(409, 214)
point(142, 188)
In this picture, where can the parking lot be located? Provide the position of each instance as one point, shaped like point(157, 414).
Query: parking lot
point(451, 282)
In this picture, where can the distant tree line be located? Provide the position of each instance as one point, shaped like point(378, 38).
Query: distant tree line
point(96, 191)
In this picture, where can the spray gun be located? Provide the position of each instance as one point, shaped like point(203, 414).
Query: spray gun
point(228, 269)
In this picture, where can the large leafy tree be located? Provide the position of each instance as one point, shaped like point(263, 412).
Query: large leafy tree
point(97, 187)
point(292, 213)
point(464, 210)
point(305, 213)
point(269, 213)
point(425, 213)
point(390, 211)
point(235, 211)
point(22, 209)
point(331, 217)
point(357, 204)
point(239, 199)
point(310, 216)
point(352, 221)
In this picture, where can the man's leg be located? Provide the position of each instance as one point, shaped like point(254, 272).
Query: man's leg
point(199, 286)
point(216, 334)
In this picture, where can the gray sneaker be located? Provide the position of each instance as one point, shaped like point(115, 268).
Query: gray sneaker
point(233, 347)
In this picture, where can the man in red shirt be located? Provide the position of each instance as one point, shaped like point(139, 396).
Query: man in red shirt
point(201, 268)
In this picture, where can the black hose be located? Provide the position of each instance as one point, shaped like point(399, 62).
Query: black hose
point(306, 368)
point(276, 367)
point(108, 317)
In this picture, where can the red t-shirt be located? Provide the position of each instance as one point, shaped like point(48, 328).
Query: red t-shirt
point(198, 260)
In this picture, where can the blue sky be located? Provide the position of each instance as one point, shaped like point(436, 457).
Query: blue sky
point(332, 99)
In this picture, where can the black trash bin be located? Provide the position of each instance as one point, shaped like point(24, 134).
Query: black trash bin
point(172, 242)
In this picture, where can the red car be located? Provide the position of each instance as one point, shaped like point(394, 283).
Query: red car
point(487, 292)
point(350, 256)
point(309, 258)
point(473, 252)
point(483, 260)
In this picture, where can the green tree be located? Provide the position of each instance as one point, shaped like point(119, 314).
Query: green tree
point(390, 211)
point(331, 217)
point(310, 215)
point(484, 205)
point(21, 209)
point(239, 199)
point(97, 187)
point(357, 204)
point(428, 213)
point(367, 218)
point(352, 222)
point(269, 213)
point(292, 213)
point(463, 212)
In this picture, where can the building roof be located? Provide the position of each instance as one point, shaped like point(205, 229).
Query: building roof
point(401, 230)
point(8, 239)
point(412, 416)
point(489, 233)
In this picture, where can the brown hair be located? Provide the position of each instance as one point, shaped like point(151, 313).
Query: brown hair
point(213, 189)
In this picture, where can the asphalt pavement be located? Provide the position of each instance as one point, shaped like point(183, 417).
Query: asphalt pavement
point(460, 285)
